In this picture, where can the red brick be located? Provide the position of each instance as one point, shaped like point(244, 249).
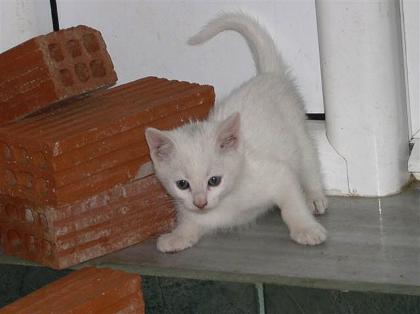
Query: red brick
point(89, 290)
point(50, 68)
point(80, 149)
point(60, 237)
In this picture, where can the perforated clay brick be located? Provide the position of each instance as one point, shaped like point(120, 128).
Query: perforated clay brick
point(60, 237)
point(79, 149)
point(50, 68)
point(89, 290)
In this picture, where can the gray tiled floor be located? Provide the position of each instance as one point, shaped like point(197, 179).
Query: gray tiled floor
point(162, 295)
point(17, 281)
point(174, 295)
point(373, 245)
point(296, 300)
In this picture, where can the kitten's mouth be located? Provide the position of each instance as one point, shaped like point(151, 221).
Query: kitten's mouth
point(201, 211)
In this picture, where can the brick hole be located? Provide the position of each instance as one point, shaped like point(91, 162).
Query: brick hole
point(74, 48)
point(42, 220)
point(29, 180)
point(2, 208)
point(35, 217)
point(14, 239)
point(26, 157)
point(22, 156)
point(7, 153)
point(47, 247)
point(41, 186)
point(29, 215)
point(55, 52)
point(10, 177)
point(21, 213)
point(66, 77)
point(26, 179)
point(40, 160)
point(97, 68)
point(82, 71)
point(90, 42)
point(11, 211)
point(30, 242)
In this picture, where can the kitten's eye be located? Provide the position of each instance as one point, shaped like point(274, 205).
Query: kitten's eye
point(182, 184)
point(215, 181)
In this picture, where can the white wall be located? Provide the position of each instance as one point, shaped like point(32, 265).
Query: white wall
point(22, 19)
point(148, 38)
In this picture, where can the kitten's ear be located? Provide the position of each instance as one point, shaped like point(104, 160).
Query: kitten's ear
point(228, 135)
point(160, 145)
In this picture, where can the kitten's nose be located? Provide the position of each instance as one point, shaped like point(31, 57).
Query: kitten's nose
point(200, 200)
point(200, 204)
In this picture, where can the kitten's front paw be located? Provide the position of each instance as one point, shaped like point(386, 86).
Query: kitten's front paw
point(319, 205)
point(312, 234)
point(174, 242)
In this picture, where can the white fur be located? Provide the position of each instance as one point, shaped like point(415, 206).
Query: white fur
point(268, 158)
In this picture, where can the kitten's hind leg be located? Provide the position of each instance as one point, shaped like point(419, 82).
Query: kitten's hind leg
point(303, 227)
point(310, 175)
point(185, 235)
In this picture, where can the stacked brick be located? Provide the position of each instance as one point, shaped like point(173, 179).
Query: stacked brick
point(89, 290)
point(69, 174)
point(51, 68)
point(62, 236)
point(89, 145)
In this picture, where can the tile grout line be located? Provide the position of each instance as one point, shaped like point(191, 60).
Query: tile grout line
point(260, 297)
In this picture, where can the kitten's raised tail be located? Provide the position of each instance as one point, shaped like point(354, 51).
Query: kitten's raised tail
point(266, 56)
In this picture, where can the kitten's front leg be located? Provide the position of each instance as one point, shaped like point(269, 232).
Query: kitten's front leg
point(304, 229)
point(185, 235)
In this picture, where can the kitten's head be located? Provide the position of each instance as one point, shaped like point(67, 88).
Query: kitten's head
point(199, 162)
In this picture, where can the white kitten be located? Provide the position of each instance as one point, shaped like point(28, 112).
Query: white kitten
point(253, 152)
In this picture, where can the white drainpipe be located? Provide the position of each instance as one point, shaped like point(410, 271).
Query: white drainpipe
point(364, 92)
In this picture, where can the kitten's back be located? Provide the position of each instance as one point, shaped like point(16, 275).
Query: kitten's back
point(271, 108)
